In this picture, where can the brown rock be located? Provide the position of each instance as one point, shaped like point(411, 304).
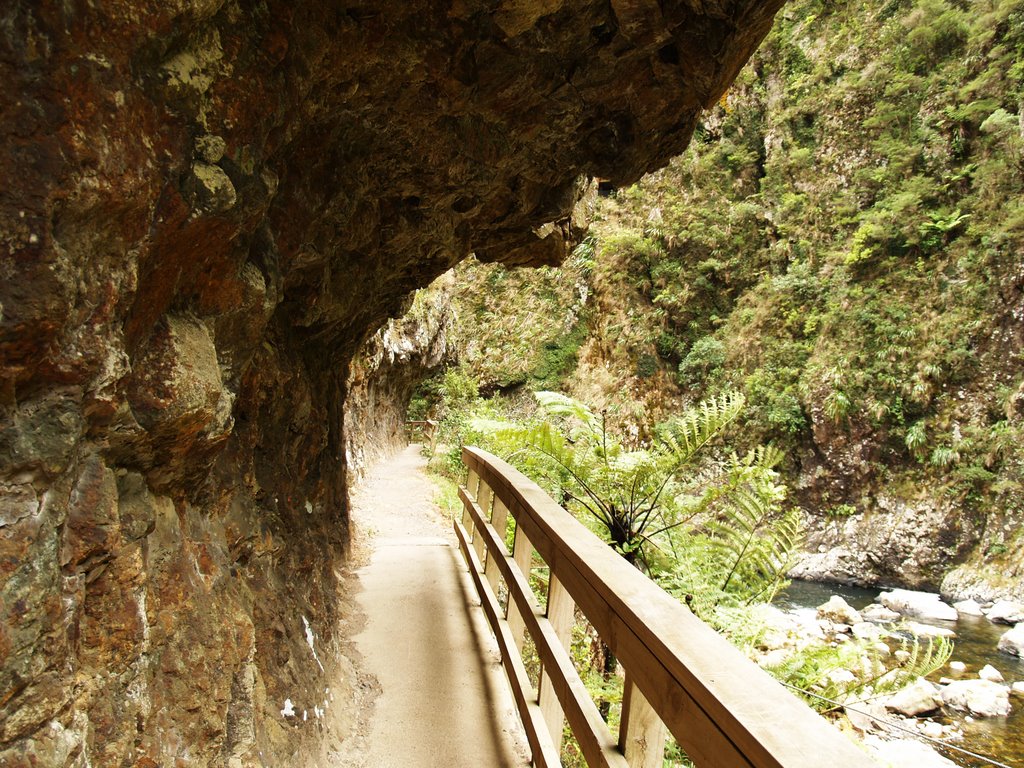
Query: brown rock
point(208, 211)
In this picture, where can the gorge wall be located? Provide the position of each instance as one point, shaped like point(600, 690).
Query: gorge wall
point(208, 206)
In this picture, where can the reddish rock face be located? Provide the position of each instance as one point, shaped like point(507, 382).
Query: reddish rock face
point(208, 205)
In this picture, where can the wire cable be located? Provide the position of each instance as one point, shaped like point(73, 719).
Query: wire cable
point(890, 724)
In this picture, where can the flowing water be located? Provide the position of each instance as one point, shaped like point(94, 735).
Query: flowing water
point(1001, 738)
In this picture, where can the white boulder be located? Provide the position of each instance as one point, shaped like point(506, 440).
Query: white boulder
point(1012, 641)
point(900, 753)
point(988, 672)
point(958, 666)
point(920, 605)
point(831, 628)
point(927, 630)
point(842, 676)
point(931, 729)
point(1017, 688)
point(869, 716)
point(879, 613)
point(968, 607)
point(838, 611)
point(915, 699)
point(868, 631)
point(1006, 612)
point(980, 697)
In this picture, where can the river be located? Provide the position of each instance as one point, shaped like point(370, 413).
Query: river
point(1001, 738)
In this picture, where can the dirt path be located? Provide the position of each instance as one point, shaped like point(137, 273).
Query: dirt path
point(443, 700)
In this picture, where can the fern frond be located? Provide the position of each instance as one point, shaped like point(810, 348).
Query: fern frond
point(565, 407)
point(685, 435)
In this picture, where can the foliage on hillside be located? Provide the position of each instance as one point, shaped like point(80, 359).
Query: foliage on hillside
point(521, 327)
point(843, 243)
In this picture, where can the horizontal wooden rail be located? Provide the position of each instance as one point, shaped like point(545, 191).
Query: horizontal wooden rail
point(722, 709)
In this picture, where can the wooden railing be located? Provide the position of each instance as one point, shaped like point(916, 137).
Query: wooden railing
point(722, 709)
point(426, 431)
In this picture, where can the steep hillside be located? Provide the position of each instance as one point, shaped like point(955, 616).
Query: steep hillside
point(843, 243)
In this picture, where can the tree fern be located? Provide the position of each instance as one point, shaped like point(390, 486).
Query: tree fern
point(750, 537)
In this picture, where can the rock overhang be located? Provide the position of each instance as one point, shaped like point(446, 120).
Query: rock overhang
point(208, 206)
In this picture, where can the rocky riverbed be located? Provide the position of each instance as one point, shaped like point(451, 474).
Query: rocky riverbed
point(974, 701)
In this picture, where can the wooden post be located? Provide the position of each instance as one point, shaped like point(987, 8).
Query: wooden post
point(522, 553)
point(472, 485)
point(483, 500)
point(499, 518)
point(641, 732)
point(560, 613)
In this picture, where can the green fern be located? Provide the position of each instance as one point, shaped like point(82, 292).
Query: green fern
point(810, 670)
point(753, 540)
point(637, 498)
point(684, 436)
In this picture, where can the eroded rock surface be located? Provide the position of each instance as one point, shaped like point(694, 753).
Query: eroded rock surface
point(902, 542)
point(208, 207)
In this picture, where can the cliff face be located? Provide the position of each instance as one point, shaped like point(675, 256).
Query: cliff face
point(208, 206)
point(387, 369)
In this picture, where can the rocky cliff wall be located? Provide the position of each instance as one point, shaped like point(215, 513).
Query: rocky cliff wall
point(208, 206)
point(387, 369)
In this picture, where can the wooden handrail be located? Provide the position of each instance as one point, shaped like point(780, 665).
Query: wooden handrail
point(427, 429)
point(722, 708)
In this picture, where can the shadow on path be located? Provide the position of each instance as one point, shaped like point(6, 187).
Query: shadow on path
point(444, 700)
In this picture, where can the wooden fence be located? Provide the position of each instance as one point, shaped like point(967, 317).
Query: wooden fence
point(426, 431)
point(722, 709)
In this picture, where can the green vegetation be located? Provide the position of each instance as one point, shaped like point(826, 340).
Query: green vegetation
point(707, 524)
point(712, 529)
point(818, 673)
point(840, 246)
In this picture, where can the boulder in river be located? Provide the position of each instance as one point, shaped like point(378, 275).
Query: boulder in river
point(1006, 612)
point(906, 752)
point(915, 699)
point(838, 611)
point(868, 631)
point(920, 605)
point(1012, 642)
point(988, 672)
point(878, 613)
point(968, 607)
point(927, 630)
point(1017, 688)
point(979, 697)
